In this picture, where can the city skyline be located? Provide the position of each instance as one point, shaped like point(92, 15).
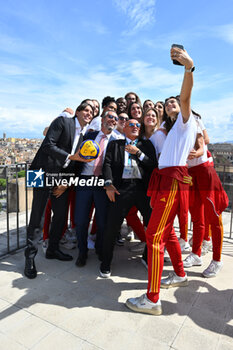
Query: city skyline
point(54, 54)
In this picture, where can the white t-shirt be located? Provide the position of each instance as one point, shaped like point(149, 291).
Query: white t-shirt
point(202, 159)
point(201, 124)
point(95, 124)
point(158, 139)
point(66, 115)
point(179, 142)
point(118, 135)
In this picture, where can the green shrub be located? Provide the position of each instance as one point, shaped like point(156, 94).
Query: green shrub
point(20, 174)
point(2, 184)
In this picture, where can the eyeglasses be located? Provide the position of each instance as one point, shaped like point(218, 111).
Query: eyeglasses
point(123, 119)
point(132, 125)
point(112, 117)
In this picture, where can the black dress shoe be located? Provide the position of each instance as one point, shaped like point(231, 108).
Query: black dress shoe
point(81, 261)
point(58, 254)
point(30, 268)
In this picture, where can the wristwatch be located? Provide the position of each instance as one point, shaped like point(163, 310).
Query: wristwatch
point(190, 70)
point(139, 153)
point(108, 183)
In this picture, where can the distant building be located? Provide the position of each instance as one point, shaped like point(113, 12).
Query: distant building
point(223, 160)
point(15, 150)
point(222, 153)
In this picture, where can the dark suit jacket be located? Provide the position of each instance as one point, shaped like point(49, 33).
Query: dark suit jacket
point(115, 156)
point(56, 146)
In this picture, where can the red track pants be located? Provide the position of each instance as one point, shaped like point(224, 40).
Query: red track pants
point(160, 232)
point(203, 213)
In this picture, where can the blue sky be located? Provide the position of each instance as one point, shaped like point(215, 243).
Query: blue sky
point(55, 53)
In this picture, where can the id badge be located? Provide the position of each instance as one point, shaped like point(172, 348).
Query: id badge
point(128, 172)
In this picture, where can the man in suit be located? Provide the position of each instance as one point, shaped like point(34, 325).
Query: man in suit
point(127, 168)
point(86, 195)
point(58, 154)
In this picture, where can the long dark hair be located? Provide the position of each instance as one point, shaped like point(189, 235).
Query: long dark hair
point(107, 100)
point(142, 128)
point(82, 106)
point(133, 93)
point(168, 122)
point(130, 106)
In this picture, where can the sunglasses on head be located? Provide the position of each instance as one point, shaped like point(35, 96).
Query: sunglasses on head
point(113, 117)
point(123, 118)
point(134, 124)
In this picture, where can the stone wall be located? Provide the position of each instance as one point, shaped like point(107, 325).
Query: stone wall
point(12, 193)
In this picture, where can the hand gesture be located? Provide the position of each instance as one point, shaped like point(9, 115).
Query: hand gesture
point(110, 191)
point(69, 110)
point(77, 158)
point(182, 57)
point(59, 190)
point(131, 149)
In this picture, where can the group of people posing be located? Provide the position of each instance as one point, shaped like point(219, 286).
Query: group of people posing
point(153, 158)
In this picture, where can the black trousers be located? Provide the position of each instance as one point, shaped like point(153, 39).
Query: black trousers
point(40, 198)
point(132, 193)
point(59, 208)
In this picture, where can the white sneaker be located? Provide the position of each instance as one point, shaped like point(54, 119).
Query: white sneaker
point(192, 260)
point(174, 281)
point(206, 247)
point(70, 235)
point(63, 240)
point(90, 243)
point(144, 305)
point(105, 273)
point(166, 256)
point(213, 269)
point(130, 236)
point(45, 244)
point(138, 247)
point(184, 246)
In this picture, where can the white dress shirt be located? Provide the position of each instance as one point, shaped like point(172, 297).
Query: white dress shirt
point(78, 131)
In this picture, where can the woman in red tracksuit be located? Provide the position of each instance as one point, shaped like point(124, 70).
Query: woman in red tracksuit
point(170, 191)
point(207, 201)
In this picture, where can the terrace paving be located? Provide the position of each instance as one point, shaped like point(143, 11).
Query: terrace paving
point(68, 308)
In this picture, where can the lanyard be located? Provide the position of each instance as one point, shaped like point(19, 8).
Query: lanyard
point(133, 143)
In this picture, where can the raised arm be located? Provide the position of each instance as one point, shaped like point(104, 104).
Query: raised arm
point(187, 85)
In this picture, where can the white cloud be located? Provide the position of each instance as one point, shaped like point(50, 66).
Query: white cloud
point(97, 28)
point(141, 13)
point(218, 117)
point(30, 107)
point(224, 32)
point(15, 45)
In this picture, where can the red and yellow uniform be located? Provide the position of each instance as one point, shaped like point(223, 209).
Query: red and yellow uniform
point(207, 201)
point(169, 192)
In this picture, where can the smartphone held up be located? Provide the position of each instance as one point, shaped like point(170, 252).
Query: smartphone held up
point(180, 47)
